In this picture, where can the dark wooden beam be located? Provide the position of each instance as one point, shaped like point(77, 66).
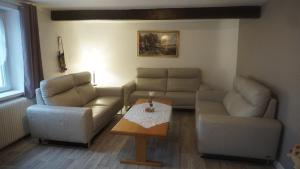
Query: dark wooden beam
point(159, 14)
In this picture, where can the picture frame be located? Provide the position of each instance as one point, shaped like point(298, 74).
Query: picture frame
point(158, 43)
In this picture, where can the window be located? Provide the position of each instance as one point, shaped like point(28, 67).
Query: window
point(11, 53)
point(4, 83)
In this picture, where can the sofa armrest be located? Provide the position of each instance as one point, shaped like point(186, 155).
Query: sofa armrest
point(210, 95)
point(128, 89)
point(71, 124)
point(109, 91)
point(238, 136)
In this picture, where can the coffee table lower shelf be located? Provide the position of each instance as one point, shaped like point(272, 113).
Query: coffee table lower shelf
point(141, 154)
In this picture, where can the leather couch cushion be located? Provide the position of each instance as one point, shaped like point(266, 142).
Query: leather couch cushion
point(211, 108)
point(101, 116)
point(143, 94)
point(82, 78)
point(183, 85)
point(236, 105)
point(184, 73)
point(53, 86)
point(151, 73)
point(67, 98)
point(86, 92)
point(104, 101)
point(182, 98)
point(151, 84)
point(255, 93)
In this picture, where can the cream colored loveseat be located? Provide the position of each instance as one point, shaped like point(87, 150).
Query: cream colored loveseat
point(240, 122)
point(178, 84)
point(70, 109)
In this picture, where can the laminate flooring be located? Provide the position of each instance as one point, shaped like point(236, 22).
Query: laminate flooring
point(178, 150)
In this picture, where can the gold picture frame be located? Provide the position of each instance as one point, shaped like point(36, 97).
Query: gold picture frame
point(158, 43)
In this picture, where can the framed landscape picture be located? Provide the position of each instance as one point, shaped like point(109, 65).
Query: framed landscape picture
point(158, 43)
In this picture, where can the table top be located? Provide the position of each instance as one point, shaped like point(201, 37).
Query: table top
point(126, 127)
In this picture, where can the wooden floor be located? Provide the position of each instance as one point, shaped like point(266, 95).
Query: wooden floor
point(177, 151)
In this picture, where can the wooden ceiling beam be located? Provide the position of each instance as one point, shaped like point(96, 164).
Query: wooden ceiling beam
point(159, 14)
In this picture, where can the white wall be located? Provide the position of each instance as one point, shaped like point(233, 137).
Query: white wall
point(269, 52)
point(110, 48)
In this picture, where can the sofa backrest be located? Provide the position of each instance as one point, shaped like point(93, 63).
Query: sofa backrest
point(248, 98)
point(183, 79)
point(151, 79)
point(60, 91)
point(84, 87)
point(69, 90)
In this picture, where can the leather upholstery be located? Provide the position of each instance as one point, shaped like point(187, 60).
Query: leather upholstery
point(181, 99)
point(236, 105)
point(151, 73)
point(67, 98)
point(179, 84)
point(151, 84)
point(63, 117)
point(56, 85)
point(105, 101)
point(129, 88)
point(183, 85)
point(72, 124)
point(221, 133)
point(86, 92)
point(184, 73)
point(82, 78)
point(248, 98)
point(101, 116)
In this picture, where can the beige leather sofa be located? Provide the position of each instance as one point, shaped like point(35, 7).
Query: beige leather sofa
point(238, 123)
point(178, 84)
point(70, 109)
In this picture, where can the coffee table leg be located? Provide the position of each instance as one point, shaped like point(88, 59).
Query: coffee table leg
point(140, 148)
point(141, 153)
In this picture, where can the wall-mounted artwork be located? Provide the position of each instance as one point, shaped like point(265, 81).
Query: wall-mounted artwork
point(158, 43)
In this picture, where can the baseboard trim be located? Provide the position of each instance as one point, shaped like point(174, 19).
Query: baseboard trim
point(277, 165)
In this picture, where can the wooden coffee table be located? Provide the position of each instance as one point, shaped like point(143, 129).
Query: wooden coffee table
point(125, 127)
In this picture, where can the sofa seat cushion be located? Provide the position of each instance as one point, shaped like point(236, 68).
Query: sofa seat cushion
point(151, 84)
point(143, 94)
point(104, 101)
point(182, 98)
point(101, 116)
point(210, 108)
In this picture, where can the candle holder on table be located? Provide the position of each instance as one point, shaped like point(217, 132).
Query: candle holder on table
point(150, 109)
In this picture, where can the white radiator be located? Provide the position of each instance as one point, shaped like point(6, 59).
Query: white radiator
point(13, 122)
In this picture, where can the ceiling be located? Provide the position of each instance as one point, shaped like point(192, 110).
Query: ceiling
point(141, 4)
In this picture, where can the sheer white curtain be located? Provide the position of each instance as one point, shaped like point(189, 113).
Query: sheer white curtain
point(3, 53)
